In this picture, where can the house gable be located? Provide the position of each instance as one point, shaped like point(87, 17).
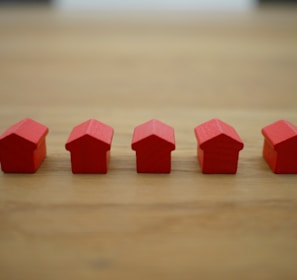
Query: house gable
point(91, 132)
point(26, 134)
point(281, 135)
point(289, 145)
point(215, 134)
point(153, 142)
point(153, 134)
point(15, 142)
point(87, 142)
point(222, 141)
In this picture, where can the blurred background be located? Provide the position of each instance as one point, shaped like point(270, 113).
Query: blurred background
point(202, 54)
point(124, 62)
point(154, 4)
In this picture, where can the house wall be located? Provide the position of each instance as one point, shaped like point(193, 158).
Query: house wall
point(155, 162)
point(269, 154)
point(220, 162)
point(287, 161)
point(39, 154)
point(17, 161)
point(88, 160)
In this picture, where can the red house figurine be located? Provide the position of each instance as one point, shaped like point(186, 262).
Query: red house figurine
point(280, 147)
point(22, 147)
point(89, 144)
point(153, 142)
point(218, 147)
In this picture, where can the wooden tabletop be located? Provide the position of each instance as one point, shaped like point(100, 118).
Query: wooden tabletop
point(63, 68)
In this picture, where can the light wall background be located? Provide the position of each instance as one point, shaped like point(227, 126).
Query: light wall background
point(200, 5)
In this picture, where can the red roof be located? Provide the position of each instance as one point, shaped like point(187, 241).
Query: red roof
point(280, 132)
point(27, 130)
point(153, 128)
point(216, 131)
point(94, 129)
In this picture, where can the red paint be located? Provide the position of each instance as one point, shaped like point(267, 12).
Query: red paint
point(218, 147)
point(153, 142)
point(280, 147)
point(23, 147)
point(89, 144)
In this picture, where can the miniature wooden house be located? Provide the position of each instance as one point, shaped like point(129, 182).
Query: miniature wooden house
point(280, 147)
point(218, 147)
point(153, 142)
point(89, 144)
point(23, 147)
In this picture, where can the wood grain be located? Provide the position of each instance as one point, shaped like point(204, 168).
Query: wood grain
point(62, 69)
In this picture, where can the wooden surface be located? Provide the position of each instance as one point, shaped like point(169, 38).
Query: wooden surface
point(62, 68)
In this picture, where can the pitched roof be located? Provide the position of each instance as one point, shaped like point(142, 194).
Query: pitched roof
point(279, 132)
point(153, 128)
point(215, 128)
point(27, 129)
point(93, 128)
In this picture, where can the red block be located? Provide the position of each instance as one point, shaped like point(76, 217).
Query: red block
point(22, 147)
point(89, 144)
point(218, 147)
point(153, 142)
point(280, 147)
